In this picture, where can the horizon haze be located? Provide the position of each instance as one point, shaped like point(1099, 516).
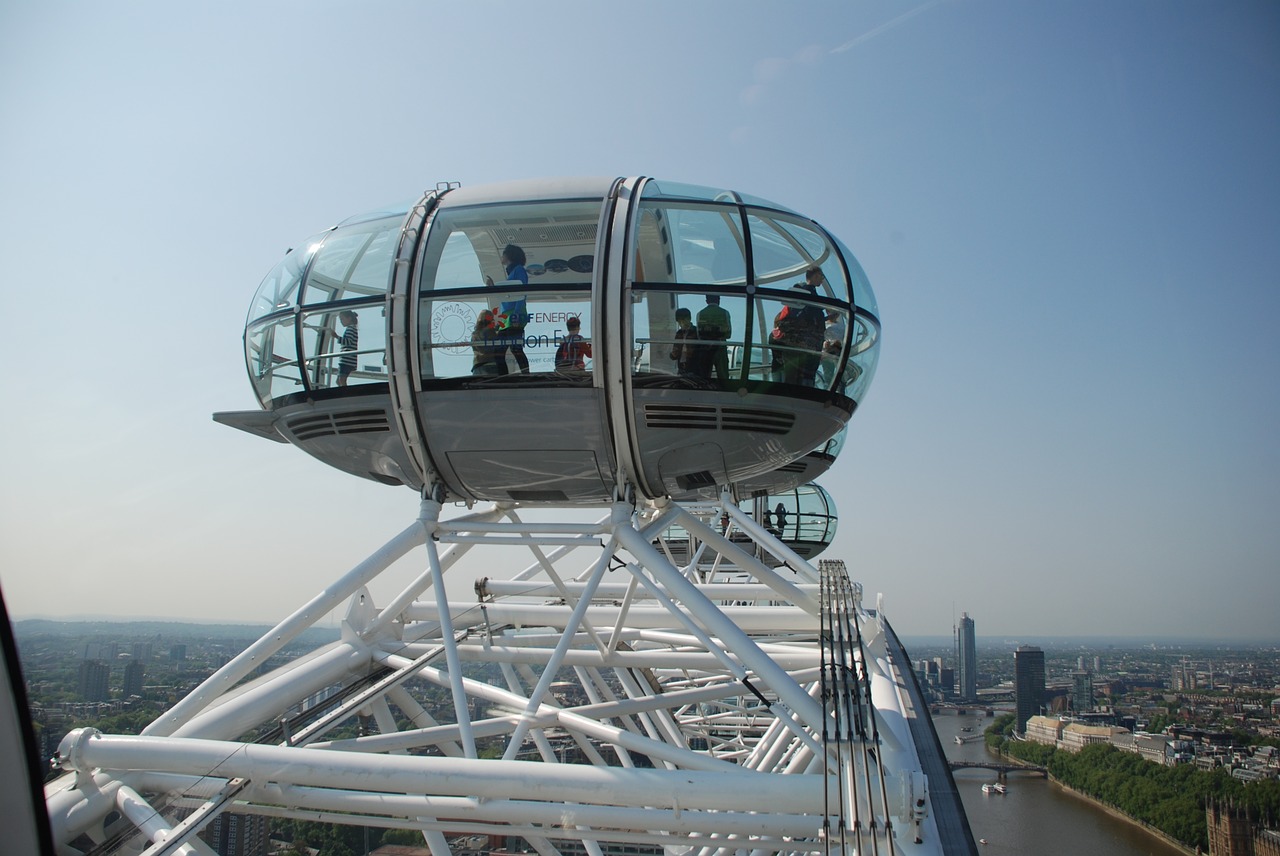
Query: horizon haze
point(1068, 214)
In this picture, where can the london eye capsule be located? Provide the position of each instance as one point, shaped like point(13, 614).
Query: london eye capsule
point(803, 518)
point(566, 340)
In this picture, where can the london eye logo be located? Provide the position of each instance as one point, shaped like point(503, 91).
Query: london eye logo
point(451, 326)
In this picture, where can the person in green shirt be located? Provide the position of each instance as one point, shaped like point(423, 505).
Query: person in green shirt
point(714, 324)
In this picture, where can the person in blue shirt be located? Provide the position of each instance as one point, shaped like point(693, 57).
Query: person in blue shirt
point(513, 262)
point(516, 312)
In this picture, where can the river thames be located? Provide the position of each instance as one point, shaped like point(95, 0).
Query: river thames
point(1036, 816)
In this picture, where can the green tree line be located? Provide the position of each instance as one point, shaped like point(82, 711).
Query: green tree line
point(331, 839)
point(1171, 799)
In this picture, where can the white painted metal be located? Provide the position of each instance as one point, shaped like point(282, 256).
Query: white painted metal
point(602, 696)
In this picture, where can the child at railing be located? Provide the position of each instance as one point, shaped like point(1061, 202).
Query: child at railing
point(350, 344)
point(687, 354)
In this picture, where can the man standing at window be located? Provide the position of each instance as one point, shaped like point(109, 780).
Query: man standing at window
point(714, 324)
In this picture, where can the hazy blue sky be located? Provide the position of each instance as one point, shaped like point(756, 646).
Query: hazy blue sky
point(1070, 213)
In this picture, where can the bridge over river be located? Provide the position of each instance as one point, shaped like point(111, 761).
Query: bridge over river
point(1002, 770)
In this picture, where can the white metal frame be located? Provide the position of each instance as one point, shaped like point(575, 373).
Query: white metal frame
point(722, 706)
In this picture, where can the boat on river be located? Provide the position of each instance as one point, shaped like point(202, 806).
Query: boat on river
point(993, 788)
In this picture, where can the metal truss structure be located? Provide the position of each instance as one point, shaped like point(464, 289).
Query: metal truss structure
point(603, 696)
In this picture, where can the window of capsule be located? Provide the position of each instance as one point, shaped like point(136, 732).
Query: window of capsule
point(318, 319)
point(697, 313)
point(499, 286)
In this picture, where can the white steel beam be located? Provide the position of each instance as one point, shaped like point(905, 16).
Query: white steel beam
point(84, 749)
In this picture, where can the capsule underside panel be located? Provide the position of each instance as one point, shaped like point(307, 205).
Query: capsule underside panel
point(691, 441)
point(520, 444)
point(803, 470)
point(353, 435)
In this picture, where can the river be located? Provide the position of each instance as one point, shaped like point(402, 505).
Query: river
point(1036, 816)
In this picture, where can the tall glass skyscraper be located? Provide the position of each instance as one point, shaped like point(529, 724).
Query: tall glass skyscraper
point(968, 657)
point(1028, 684)
point(1081, 691)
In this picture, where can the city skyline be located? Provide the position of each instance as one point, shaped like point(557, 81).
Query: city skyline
point(1067, 214)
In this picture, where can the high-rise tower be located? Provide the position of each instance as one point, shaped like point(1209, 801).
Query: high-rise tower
point(1028, 683)
point(134, 675)
point(1081, 690)
point(968, 659)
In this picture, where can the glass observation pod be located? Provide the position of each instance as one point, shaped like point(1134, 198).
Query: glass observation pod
point(804, 518)
point(564, 340)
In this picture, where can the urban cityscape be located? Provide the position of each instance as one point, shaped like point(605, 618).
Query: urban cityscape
point(1202, 706)
point(1211, 706)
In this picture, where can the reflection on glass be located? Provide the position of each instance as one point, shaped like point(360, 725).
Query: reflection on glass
point(529, 266)
point(688, 334)
point(690, 245)
point(803, 518)
point(354, 261)
point(345, 346)
point(465, 245)
point(343, 336)
point(783, 249)
point(706, 337)
point(448, 328)
point(793, 329)
point(279, 289)
point(272, 353)
point(805, 514)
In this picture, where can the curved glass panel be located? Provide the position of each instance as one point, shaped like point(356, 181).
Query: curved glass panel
point(863, 297)
point(279, 289)
point(397, 211)
point(675, 190)
point(465, 245)
point(345, 345)
point(793, 330)
point(499, 286)
point(864, 354)
point(657, 189)
point(689, 334)
point(803, 518)
point(271, 350)
point(784, 247)
point(806, 514)
point(692, 245)
point(354, 261)
point(470, 335)
point(796, 340)
point(833, 446)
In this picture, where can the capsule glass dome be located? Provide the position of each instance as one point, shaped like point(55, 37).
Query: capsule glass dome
point(803, 518)
point(563, 340)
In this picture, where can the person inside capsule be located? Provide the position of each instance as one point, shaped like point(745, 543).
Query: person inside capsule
point(514, 313)
point(729, 260)
point(797, 335)
point(489, 358)
point(715, 325)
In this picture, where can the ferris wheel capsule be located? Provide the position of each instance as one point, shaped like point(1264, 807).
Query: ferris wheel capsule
point(563, 341)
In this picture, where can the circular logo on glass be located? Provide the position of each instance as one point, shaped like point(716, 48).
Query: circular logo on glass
point(451, 326)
